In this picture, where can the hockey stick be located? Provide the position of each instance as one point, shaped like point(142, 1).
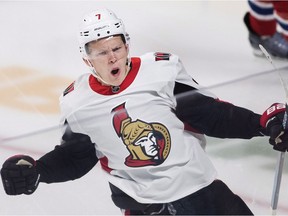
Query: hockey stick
point(280, 162)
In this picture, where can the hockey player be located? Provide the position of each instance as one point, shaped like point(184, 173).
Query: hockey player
point(267, 23)
point(144, 120)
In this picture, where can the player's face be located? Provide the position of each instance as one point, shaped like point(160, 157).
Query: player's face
point(148, 145)
point(109, 57)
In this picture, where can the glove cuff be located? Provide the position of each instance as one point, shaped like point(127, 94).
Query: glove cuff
point(272, 111)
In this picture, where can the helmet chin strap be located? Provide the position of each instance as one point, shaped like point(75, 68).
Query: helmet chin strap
point(114, 88)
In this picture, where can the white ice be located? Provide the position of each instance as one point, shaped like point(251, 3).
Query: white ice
point(39, 58)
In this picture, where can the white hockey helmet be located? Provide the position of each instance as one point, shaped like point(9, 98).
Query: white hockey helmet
point(100, 24)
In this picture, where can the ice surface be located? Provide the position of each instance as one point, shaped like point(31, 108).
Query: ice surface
point(39, 58)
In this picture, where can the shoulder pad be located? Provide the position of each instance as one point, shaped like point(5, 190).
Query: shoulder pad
point(159, 56)
point(69, 89)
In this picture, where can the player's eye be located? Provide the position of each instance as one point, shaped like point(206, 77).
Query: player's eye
point(103, 53)
point(116, 49)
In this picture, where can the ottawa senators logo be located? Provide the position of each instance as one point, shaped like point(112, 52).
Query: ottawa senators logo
point(147, 143)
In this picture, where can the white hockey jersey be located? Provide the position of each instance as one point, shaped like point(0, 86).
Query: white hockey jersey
point(141, 144)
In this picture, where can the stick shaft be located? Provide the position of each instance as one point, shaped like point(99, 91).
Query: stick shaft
point(277, 181)
point(281, 157)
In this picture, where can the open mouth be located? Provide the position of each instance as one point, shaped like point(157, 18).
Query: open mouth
point(115, 71)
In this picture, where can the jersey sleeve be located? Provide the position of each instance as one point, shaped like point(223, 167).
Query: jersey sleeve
point(206, 114)
point(215, 118)
point(71, 160)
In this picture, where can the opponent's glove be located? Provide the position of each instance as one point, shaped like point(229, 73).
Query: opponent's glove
point(272, 120)
point(19, 175)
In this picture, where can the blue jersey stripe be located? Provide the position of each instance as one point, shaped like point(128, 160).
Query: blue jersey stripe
point(260, 10)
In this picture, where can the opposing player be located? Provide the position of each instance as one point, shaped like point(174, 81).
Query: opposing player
point(143, 119)
point(267, 23)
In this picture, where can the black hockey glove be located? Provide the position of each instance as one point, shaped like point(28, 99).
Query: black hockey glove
point(272, 120)
point(19, 175)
